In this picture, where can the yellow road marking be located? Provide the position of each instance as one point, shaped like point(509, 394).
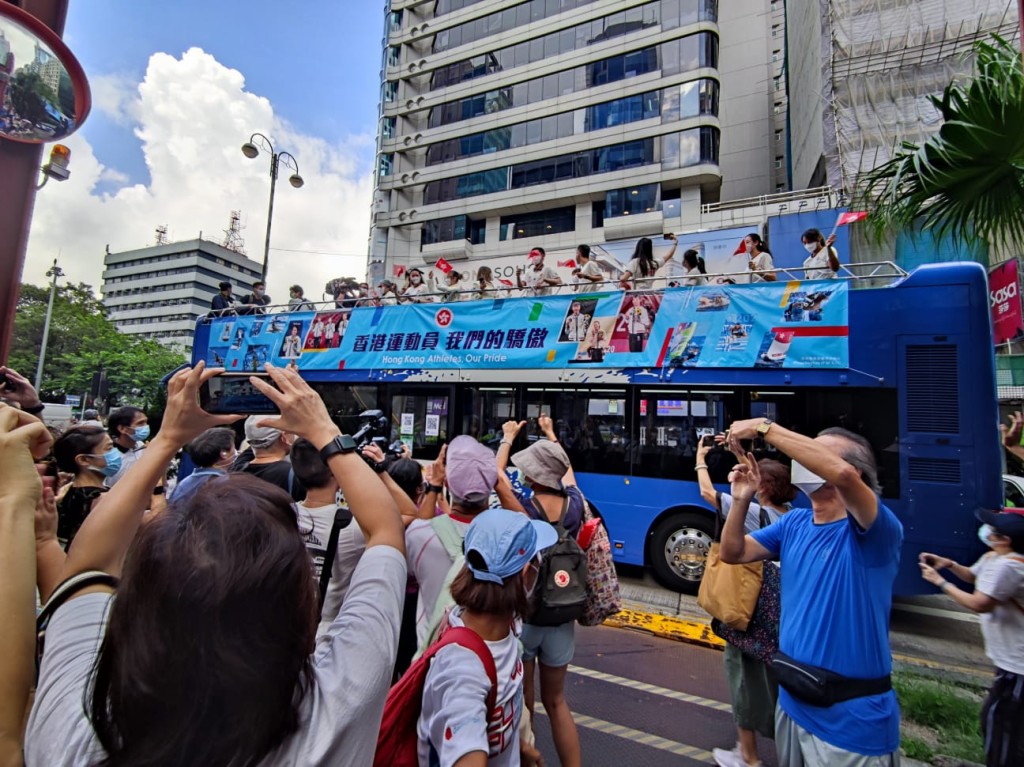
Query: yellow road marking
point(667, 627)
point(639, 736)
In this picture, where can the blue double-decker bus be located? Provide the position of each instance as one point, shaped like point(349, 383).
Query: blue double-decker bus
point(633, 380)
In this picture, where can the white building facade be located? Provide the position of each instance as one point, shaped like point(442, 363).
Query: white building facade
point(510, 125)
point(159, 292)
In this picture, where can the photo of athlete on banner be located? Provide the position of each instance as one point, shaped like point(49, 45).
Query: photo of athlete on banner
point(291, 347)
point(326, 331)
point(636, 318)
point(577, 321)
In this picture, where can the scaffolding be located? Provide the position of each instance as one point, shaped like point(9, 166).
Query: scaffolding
point(233, 234)
point(885, 58)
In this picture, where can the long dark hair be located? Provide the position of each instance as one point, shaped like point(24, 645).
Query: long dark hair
point(206, 656)
point(644, 253)
point(758, 242)
point(692, 260)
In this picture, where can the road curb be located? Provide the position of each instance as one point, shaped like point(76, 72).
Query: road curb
point(692, 632)
point(699, 632)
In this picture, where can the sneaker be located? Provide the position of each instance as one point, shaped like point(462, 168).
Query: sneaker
point(732, 758)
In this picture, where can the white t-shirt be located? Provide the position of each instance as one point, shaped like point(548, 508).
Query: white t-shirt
point(1002, 578)
point(454, 720)
point(315, 523)
point(576, 326)
point(418, 294)
point(428, 563)
point(816, 266)
point(351, 545)
point(692, 277)
point(532, 279)
point(758, 263)
point(589, 269)
point(752, 521)
point(651, 281)
point(338, 717)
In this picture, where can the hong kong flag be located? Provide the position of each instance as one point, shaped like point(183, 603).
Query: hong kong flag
point(398, 270)
point(506, 283)
point(571, 264)
point(741, 248)
point(851, 217)
point(443, 265)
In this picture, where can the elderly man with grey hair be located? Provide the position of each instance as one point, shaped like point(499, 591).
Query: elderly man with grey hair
point(839, 560)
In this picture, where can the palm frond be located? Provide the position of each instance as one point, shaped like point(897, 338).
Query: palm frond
point(966, 181)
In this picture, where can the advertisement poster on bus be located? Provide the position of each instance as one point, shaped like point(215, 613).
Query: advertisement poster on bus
point(777, 325)
point(1005, 301)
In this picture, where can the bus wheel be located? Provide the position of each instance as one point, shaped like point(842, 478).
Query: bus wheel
point(679, 551)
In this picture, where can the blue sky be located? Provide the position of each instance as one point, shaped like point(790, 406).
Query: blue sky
point(317, 61)
point(177, 88)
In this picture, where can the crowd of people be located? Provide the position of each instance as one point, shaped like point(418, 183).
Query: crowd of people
point(539, 278)
point(259, 611)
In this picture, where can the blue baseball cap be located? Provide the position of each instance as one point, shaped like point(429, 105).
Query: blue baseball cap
point(500, 542)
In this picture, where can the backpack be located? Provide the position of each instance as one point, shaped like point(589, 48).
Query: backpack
point(561, 592)
point(398, 740)
point(447, 531)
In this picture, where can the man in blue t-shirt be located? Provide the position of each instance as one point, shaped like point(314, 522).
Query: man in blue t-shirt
point(839, 559)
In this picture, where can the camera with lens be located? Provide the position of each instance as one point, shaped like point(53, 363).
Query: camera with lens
point(373, 425)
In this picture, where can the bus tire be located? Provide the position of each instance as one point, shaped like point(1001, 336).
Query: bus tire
point(679, 550)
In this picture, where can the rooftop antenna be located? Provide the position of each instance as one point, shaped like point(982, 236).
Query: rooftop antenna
point(233, 234)
point(161, 234)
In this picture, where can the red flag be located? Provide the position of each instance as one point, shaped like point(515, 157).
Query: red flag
point(506, 283)
point(443, 265)
point(571, 264)
point(851, 217)
point(398, 270)
point(742, 247)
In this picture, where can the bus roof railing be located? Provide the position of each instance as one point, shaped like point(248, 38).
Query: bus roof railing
point(866, 274)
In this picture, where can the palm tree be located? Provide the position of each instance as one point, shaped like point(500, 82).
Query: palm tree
point(966, 181)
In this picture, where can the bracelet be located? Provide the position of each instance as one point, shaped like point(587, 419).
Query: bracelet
point(504, 442)
point(942, 588)
point(700, 466)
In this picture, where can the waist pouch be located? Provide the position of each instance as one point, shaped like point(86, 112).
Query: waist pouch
point(821, 687)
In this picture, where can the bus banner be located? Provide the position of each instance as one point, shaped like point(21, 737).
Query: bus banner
point(776, 325)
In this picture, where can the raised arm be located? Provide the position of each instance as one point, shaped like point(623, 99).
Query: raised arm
point(833, 256)
point(21, 437)
point(509, 431)
point(707, 490)
point(49, 554)
point(737, 547)
point(672, 250)
point(304, 413)
point(975, 601)
point(860, 500)
point(107, 532)
point(548, 429)
point(406, 507)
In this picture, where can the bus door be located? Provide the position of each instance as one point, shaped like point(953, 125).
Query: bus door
point(484, 409)
point(420, 416)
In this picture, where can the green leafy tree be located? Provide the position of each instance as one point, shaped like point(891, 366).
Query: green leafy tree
point(29, 95)
point(966, 181)
point(83, 341)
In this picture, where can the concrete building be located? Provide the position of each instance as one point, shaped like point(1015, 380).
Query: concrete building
point(160, 292)
point(508, 125)
point(860, 73)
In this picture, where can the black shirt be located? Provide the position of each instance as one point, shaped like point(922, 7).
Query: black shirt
point(278, 473)
point(72, 510)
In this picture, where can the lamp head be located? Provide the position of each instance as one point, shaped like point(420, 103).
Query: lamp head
point(250, 150)
point(296, 180)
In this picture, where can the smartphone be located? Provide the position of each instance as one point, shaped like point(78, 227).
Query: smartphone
point(5, 383)
point(708, 440)
point(231, 393)
point(668, 235)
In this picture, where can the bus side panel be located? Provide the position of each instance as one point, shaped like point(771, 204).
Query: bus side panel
point(627, 518)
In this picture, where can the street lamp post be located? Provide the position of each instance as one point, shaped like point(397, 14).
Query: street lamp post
point(54, 272)
point(251, 149)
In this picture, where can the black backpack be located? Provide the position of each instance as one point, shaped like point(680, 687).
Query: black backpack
point(561, 593)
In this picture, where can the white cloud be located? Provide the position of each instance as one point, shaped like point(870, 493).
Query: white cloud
point(116, 96)
point(192, 114)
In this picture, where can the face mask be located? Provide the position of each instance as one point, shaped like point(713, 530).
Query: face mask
point(141, 434)
point(807, 481)
point(113, 462)
point(811, 247)
point(984, 532)
point(750, 247)
point(534, 260)
point(415, 279)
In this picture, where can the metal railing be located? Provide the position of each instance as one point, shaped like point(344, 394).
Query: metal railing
point(867, 274)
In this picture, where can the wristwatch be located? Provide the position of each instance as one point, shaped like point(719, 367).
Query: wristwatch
point(764, 426)
point(35, 409)
point(434, 488)
point(340, 445)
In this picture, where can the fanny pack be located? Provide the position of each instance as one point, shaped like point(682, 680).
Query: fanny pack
point(821, 687)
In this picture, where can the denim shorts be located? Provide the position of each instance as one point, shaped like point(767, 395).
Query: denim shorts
point(554, 646)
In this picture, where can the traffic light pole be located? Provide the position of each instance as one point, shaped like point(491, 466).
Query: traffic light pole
point(55, 272)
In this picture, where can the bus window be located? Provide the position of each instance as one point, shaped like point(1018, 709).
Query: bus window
point(420, 420)
point(485, 410)
point(345, 403)
point(590, 425)
point(670, 423)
